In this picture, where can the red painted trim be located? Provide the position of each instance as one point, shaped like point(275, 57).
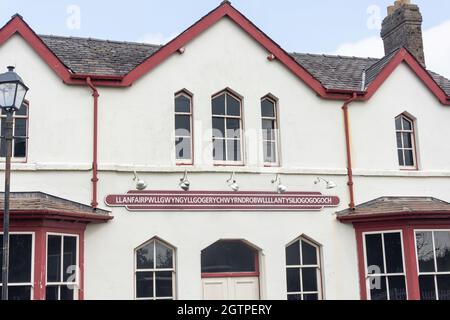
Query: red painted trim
point(407, 228)
point(18, 25)
point(404, 56)
point(350, 183)
point(94, 180)
point(394, 216)
point(57, 215)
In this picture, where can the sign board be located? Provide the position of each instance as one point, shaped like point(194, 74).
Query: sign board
point(221, 201)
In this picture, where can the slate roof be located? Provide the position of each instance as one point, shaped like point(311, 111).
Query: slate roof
point(99, 57)
point(397, 205)
point(44, 203)
point(114, 58)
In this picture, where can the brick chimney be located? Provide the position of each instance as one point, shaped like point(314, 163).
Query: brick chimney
point(403, 28)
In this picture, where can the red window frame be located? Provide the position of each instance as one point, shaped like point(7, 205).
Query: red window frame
point(407, 228)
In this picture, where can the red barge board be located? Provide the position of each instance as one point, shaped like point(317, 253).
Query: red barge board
point(221, 201)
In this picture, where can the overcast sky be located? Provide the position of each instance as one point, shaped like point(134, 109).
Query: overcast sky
point(348, 27)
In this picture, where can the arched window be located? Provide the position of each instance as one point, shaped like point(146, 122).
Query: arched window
point(406, 142)
point(183, 128)
point(303, 274)
point(227, 128)
point(270, 130)
point(20, 133)
point(155, 271)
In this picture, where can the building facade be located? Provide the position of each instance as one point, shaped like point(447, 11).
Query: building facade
point(217, 124)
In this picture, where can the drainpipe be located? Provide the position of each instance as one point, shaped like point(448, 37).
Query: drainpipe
point(94, 179)
point(349, 153)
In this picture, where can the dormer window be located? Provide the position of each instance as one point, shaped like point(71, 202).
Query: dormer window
point(406, 142)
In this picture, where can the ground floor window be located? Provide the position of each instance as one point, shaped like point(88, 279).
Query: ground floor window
point(155, 271)
point(20, 283)
point(385, 272)
point(62, 267)
point(303, 270)
point(433, 260)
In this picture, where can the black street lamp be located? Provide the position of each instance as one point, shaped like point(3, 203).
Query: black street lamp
point(12, 94)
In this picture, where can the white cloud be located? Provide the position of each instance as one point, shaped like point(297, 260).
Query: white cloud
point(437, 48)
point(156, 38)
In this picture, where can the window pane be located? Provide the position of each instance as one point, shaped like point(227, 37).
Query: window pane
point(20, 148)
point(393, 251)
point(182, 126)
point(228, 256)
point(407, 125)
point(23, 111)
point(218, 127)
point(51, 293)
point(378, 288)
point(234, 150)
point(294, 297)
point(442, 245)
point(293, 254)
point(425, 254)
point(293, 280)
point(54, 259)
point(311, 297)
point(398, 123)
point(309, 276)
point(218, 105)
point(164, 284)
point(164, 256)
point(219, 149)
point(399, 140)
point(233, 128)
point(144, 285)
point(183, 148)
point(309, 254)
point(427, 288)
point(19, 293)
point(397, 288)
point(20, 128)
point(182, 104)
point(20, 258)
point(374, 252)
point(144, 256)
point(268, 127)
point(267, 108)
point(443, 283)
point(401, 159)
point(407, 141)
point(233, 106)
point(409, 158)
point(269, 149)
point(70, 259)
point(66, 293)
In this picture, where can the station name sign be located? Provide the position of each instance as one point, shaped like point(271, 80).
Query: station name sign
point(221, 201)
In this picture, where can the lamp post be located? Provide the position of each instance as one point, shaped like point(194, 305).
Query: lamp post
point(12, 94)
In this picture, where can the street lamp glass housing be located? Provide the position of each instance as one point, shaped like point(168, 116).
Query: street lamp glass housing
point(12, 90)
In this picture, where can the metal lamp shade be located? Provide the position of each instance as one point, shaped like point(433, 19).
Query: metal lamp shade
point(12, 90)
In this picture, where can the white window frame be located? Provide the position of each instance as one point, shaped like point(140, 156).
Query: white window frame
point(25, 284)
point(436, 273)
point(225, 139)
point(173, 270)
point(318, 267)
point(385, 274)
point(76, 284)
point(27, 119)
point(402, 148)
point(188, 95)
point(276, 132)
